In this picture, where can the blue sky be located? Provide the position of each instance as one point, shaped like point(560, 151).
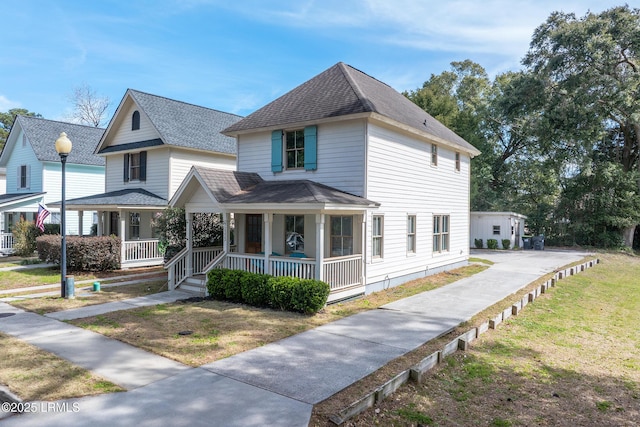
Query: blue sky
point(236, 56)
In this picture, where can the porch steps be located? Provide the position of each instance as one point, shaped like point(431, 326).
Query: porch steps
point(195, 284)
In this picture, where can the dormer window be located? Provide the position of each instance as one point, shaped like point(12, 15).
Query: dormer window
point(135, 120)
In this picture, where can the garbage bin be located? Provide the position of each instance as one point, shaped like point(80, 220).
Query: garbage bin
point(526, 242)
point(538, 243)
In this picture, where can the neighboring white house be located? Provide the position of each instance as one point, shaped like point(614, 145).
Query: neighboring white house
point(149, 146)
point(499, 226)
point(341, 179)
point(34, 171)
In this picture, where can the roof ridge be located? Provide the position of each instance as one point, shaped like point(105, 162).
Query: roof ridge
point(182, 102)
point(23, 116)
point(344, 68)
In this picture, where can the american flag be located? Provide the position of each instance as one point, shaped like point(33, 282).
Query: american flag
point(43, 213)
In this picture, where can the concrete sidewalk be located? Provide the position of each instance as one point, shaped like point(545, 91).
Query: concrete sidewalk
point(279, 383)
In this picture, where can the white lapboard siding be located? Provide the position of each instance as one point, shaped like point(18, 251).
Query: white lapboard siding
point(157, 181)
point(23, 155)
point(340, 158)
point(508, 225)
point(122, 133)
point(402, 179)
point(181, 162)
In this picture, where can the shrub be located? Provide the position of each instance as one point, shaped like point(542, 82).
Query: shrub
point(282, 292)
point(255, 289)
point(51, 229)
point(232, 286)
point(215, 285)
point(24, 237)
point(83, 253)
point(506, 243)
point(309, 296)
point(492, 244)
point(478, 243)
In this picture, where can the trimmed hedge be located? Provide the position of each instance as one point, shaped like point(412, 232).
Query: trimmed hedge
point(492, 244)
point(83, 253)
point(506, 243)
point(261, 290)
point(478, 243)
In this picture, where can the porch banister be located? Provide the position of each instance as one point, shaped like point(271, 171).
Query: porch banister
point(319, 245)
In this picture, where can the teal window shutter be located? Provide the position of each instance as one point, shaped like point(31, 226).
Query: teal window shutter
point(311, 148)
point(276, 151)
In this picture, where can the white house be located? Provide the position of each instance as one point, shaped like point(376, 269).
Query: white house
point(341, 179)
point(498, 226)
point(149, 146)
point(34, 172)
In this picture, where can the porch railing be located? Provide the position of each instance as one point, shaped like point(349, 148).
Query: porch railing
point(342, 272)
point(140, 250)
point(6, 242)
point(202, 257)
point(177, 267)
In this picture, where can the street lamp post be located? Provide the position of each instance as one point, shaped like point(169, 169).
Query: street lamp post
point(63, 147)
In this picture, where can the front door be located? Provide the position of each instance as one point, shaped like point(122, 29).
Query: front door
point(254, 234)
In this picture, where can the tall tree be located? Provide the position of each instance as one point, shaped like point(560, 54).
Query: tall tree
point(88, 107)
point(7, 119)
point(592, 85)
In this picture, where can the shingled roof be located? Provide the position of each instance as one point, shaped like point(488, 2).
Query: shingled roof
point(131, 197)
point(341, 91)
point(185, 125)
point(42, 134)
point(232, 187)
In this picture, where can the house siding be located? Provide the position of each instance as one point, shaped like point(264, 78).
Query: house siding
point(482, 224)
point(181, 162)
point(157, 181)
point(340, 158)
point(122, 130)
point(402, 179)
point(80, 181)
point(23, 155)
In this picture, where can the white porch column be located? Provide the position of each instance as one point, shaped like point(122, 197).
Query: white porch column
point(319, 245)
point(268, 222)
point(100, 229)
point(363, 249)
point(189, 244)
point(226, 236)
point(123, 235)
point(80, 228)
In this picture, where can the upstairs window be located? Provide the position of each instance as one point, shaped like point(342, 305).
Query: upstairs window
point(135, 166)
point(434, 155)
point(457, 162)
point(135, 120)
point(23, 176)
point(294, 149)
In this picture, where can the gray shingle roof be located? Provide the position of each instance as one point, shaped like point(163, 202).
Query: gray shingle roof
point(7, 199)
point(186, 125)
point(340, 91)
point(245, 187)
point(42, 134)
point(127, 197)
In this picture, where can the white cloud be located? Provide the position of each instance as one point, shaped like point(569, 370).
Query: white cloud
point(6, 104)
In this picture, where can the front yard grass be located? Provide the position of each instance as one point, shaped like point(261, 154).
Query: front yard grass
point(35, 374)
point(217, 329)
point(52, 304)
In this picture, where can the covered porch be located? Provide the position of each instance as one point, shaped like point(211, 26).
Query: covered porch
point(282, 228)
point(129, 215)
point(13, 207)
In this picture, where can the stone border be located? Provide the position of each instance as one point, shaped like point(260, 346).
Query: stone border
point(418, 372)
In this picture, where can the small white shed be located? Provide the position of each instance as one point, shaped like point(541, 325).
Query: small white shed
point(497, 225)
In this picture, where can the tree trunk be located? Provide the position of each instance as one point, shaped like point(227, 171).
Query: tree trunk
point(627, 235)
